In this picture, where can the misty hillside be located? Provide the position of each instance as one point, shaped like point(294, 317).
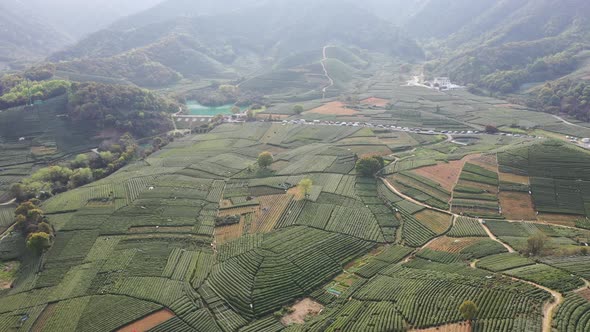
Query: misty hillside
point(497, 45)
point(24, 35)
point(220, 43)
point(79, 18)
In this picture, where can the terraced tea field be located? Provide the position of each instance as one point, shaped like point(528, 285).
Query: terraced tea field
point(194, 240)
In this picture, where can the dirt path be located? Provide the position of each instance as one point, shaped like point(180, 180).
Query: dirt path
point(323, 62)
point(9, 202)
point(549, 308)
point(493, 237)
point(474, 263)
point(568, 123)
point(408, 198)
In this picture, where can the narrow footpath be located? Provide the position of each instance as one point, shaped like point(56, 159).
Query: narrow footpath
point(323, 62)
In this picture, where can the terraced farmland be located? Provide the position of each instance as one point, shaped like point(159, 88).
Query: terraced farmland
point(199, 232)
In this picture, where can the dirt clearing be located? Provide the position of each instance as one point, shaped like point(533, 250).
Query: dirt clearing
point(517, 205)
point(333, 108)
point(457, 327)
point(148, 322)
point(447, 174)
point(300, 310)
point(377, 102)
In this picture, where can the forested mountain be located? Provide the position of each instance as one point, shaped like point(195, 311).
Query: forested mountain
point(224, 44)
point(23, 35)
point(509, 43)
point(77, 18)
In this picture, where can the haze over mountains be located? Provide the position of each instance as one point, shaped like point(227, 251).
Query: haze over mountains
point(504, 46)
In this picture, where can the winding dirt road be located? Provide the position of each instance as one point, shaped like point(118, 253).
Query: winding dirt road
point(323, 62)
point(549, 307)
point(568, 123)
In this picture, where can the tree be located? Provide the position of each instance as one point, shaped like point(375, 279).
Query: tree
point(369, 166)
point(24, 208)
point(80, 161)
point(468, 310)
point(491, 129)
point(38, 242)
point(45, 228)
point(536, 243)
point(236, 110)
point(250, 116)
point(305, 185)
point(265, 159)
point(157, 143)
point(298, 109)
point(80, 177)
point(106, 157)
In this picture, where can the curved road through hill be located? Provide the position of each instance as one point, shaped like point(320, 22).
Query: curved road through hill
point(323, 62)
point(548, 309)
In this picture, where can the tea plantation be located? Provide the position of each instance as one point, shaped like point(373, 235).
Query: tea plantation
point(200, 234)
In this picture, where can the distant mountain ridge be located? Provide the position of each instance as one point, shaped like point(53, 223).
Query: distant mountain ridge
point(222, 44)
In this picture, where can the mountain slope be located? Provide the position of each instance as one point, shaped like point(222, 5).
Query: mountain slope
point(23, 36)
point(77, 18)
point(229, 44)
point(516, 42)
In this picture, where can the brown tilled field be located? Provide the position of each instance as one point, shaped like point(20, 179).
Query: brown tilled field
point(225, 234)
point(517, 205)
point(378, 102)
point(148, 322)
point(301, 310)
point(333, 108)
point(447, 174)
point(271, 209)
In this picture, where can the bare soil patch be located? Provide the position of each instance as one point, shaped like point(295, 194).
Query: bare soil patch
point(302, 309)
point(452, 245)
point(489, 162)
point(148, 322)
point(377, 102)
point(333, 108)
point(585, 293)
point(42, 319)
point(271, 209)
point(8, 272)
point(457, 327)
point(513, 178)
point(447, 174)
point(517, 205)
point(238, 210)
point(225, 234)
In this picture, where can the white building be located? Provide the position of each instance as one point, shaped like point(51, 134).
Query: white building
point(442, 82)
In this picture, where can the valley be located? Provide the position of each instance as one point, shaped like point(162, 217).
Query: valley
point(208, 166)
